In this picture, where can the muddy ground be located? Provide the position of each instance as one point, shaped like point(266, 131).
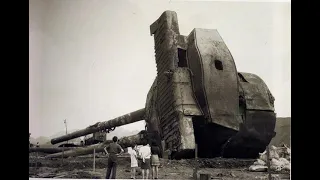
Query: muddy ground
point(82, 168)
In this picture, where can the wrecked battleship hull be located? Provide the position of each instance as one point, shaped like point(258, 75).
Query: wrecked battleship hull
point(199, 99)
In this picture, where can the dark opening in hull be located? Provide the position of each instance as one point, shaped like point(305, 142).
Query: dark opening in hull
point(214, 140)
point(210, 137)
point(253, 137)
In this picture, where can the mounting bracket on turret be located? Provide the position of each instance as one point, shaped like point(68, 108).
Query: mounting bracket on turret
point(108, 130)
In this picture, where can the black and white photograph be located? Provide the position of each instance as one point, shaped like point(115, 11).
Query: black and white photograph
point(160, 89)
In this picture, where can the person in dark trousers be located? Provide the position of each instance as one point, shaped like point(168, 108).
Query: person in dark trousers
point(113, 150)
point(155, 162)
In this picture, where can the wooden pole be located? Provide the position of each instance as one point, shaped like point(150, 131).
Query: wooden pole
point(268, 162)
point(62, 153)
point(65, 122)
point(36, 160)
point(163, 148)
point(204, 176)
point(196, 152)
point(94, 160)
point(195, 172)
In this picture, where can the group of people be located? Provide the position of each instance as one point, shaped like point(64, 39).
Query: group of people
point(149, 157)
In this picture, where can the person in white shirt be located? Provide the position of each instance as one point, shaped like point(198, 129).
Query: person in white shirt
point(145, 154)
point(134, 161)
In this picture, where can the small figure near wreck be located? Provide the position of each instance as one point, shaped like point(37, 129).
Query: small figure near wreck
point(113, 150)
point(134, 160)
point(155, 162)
point(145, 154)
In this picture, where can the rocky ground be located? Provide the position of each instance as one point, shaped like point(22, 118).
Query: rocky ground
point(82, 168)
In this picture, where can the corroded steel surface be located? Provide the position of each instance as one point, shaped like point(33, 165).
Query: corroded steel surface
point(257, 94)
point(198, 95)
point(165, 31)
point(183, 93)
point(215, 78)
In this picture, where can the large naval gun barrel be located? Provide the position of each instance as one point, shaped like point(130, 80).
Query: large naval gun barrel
point(119, 121)
point(124, 142)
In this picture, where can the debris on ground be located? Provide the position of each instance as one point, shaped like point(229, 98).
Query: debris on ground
point(259, 162)
point(280, 160)
point(258, 168)
point(273, 177)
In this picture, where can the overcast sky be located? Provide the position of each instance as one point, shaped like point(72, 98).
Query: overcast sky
point(94, 60)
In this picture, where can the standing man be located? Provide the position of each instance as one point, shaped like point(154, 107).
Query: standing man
point(113, 150)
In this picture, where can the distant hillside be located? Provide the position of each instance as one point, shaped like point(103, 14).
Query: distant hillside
point(41, 140)
point(122, 132)
point(283, 130)
point(45, 141)
point(33, 140)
